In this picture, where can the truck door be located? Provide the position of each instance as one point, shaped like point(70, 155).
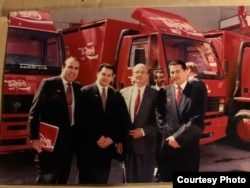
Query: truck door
point(244, 70)
point(143, 49)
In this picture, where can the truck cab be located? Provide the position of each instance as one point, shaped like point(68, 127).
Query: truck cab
point(34, 50)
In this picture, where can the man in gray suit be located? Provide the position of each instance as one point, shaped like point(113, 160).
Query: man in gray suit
point(140, 154)
point(181, 122)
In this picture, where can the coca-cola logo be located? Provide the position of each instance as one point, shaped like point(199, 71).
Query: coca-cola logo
point(89, 51)
point(17, 85)
point(177, 26)
point(46, 142)
point(32, 15)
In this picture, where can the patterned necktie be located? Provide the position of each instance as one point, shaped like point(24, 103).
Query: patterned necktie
point(69, 100)
point(104, 99)
point(178, 95)
point(137, 102)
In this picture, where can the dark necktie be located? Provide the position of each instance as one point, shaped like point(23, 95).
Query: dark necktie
point(69, 100)
point(104, 99)
point(137, 102)
point(178, 95)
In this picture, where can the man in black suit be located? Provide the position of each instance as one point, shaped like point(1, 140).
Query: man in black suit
point(159, 79)
point(50, 106)
point(105, 120)
point(193, 71)
point(140, 154)
point(181, 122)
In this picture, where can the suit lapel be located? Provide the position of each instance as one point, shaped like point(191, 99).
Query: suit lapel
point(144, 101)
point(60, 88)
point(185, 98)
point(97, 96)
point(171, 103)
point(128, 97)
point(110, 94)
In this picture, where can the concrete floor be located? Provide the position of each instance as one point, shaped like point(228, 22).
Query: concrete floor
point(18, 169)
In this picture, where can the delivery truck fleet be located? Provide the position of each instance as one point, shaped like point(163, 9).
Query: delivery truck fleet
point(158, 38)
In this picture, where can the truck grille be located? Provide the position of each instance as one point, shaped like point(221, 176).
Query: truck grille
point(16, 104)
point(213, 104)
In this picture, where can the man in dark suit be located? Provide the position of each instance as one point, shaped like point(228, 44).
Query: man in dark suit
point(181, 122)
point(159, 80)
point(50, 106)
point(140, 155)
point(192, 70)
point(105, 121)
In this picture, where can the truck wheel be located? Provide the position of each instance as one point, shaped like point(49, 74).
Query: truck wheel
point(239, 130)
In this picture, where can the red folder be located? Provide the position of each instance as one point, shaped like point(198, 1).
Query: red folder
point(48, 136)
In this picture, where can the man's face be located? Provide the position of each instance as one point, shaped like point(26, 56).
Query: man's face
point(71, 70)
point(140, 75)
point(160, 79)
point(105, 76)
point(178, 74)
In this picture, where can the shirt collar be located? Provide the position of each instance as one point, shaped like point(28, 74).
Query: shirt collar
point(182, 85)
point(141, 88)
point(100, 87)
point(65, 82)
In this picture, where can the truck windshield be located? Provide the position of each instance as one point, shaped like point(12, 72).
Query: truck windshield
point(198, 52)
point(33, 52)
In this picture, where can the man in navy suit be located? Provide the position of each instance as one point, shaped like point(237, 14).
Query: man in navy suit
point(105, 120)
point(180, 122)
point(50, 106)
point(140, 154)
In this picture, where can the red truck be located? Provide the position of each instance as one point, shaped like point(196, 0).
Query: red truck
point(160, 37)
point(34, 50)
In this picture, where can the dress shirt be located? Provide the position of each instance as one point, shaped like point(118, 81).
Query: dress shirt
point(182, 86)
point(132, 104)
point(65, 84)
point(100, 89)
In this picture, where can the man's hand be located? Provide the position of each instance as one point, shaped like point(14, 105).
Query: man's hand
point(136, 133)
point(119, 148)
point(104, 142)
point(36, 144)
point(172, 142)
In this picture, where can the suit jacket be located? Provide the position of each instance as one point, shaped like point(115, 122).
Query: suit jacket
point(144, 119)
point(113, 122)
point(49, 105)
point(184, 121)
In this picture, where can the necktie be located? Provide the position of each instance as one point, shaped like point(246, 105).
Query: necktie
point(178, 94)
point(69, 100)
point(137, 102)
point(104, 98)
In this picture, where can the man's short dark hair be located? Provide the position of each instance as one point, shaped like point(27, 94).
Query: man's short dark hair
point(178, 62)
point(107, 66)
point(70, 58)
